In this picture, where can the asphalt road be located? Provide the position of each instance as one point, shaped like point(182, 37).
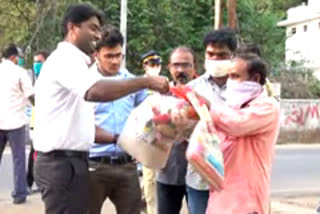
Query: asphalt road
point(296, 169)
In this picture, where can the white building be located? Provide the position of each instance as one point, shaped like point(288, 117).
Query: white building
point(303, 35)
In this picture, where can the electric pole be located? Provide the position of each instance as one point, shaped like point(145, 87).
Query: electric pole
point(217, 14)
point(123, 27)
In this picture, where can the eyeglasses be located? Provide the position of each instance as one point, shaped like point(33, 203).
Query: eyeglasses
point(182, 65)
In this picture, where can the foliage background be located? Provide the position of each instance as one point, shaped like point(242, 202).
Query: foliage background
point(161, 25)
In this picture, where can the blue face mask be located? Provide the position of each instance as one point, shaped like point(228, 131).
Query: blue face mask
point(37, 68)
point(21, 62)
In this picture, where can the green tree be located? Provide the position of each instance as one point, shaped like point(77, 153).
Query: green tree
point(160, 25)
point(17, 18)
point(259, 25)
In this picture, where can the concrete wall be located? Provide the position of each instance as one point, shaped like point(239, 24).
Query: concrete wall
point(300, 121)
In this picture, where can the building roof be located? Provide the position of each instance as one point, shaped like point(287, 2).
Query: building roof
point(289, 22)
point(302, 13)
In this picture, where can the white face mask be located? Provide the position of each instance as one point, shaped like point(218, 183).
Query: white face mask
point(239, 93)
point(155, 71)
point(217, 68)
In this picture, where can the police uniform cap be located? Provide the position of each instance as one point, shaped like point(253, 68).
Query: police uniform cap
point(151, 55)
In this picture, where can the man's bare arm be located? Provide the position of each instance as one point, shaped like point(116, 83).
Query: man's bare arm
point(31, 99)
point(104, 137)
point(109, 90)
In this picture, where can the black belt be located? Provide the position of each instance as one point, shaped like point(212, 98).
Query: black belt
point(118, 159)
point(64, 153)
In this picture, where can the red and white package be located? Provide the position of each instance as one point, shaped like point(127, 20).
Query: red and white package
point(205, 156)
point(204, 152)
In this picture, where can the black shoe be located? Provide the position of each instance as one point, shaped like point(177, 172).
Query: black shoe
point(19, 200)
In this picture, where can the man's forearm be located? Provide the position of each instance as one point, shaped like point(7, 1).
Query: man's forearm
point(31, 99)
point(104, 137)
point(252, 120)
point(109, 90)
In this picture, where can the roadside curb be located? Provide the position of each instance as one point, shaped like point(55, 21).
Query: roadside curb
point(278, 207)
point(297, 146)
point(296, 193)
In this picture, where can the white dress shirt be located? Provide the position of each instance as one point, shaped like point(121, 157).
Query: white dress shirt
point(63, 119)
point(15, 88)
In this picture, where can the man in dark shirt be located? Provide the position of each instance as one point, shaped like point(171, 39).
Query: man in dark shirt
point(171, 186)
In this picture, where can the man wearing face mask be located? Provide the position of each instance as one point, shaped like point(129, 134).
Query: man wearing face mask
point(171, 184)
point(15, 90)
point(219, 47)
point(248, 126)
point(21, 57)
point(151, 62)
point(38, 60)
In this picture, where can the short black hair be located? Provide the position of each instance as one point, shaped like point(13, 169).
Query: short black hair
point(250, 48)
point(187, 50)
point(111, 37)
point(254, 65)
point(43, 53)
point(78, 13)
point(11, 50)
point(221, 37)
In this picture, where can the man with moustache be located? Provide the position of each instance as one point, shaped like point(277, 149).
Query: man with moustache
point(248, 126)
point(171, 186)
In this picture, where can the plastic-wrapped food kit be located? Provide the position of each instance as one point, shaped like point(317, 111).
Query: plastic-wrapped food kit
point(204, 151)
point(149, 132)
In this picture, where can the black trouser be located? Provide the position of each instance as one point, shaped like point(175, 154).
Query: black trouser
point(63, 183)
point(30, 178)
point(170, 198)
point(119, 183)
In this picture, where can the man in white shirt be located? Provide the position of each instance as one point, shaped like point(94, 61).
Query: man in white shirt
point(219, 47)
point(15, 89)
point(65, 122)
